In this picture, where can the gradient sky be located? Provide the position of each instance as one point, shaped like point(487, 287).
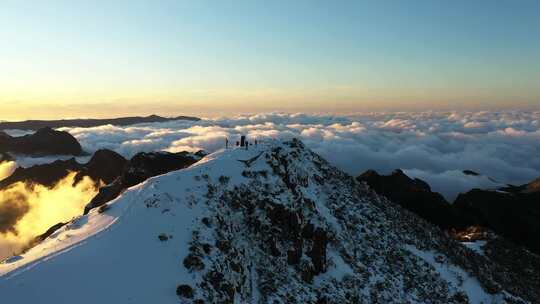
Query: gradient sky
point(113, 58)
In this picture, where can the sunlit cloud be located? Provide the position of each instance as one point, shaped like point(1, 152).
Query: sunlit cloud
point(6, 168)
point(27, 211)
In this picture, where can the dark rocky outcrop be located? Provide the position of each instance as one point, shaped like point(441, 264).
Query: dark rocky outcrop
point(48, 233)
point(289, 224)
point(514, 259)
point(514, 215)
point(141, 167)
point(144, 165)
point(471, 172)
point(184, 291)
point(45, 174)
point(104, 166)
point(512, 212)
point(414, 195)
point(4, 156)
point(86, 123)
point(45, 141)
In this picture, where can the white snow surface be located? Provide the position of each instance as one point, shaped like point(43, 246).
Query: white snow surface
point(476, 246)
point(116, 256)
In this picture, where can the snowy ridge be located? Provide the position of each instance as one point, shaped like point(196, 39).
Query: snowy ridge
point(274, 224)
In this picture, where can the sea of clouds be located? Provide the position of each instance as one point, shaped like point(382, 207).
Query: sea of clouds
point(502, 146)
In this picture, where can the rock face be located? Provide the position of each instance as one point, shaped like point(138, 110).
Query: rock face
point(4, 156)
point(141, 167)
point(471, 172)
point(414, 195)
point(45, 141)
point(47, 233)
point(145, 165)
point(87, 123)
point(514, 214)
point(46, 174)
point(288, 228)
point(105, 166)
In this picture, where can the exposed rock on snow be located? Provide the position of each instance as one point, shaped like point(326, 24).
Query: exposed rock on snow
point(288, 228)
point(141, 167)
point(514, 214)
point(414, 195)
point(104, 166)
point(511, 212)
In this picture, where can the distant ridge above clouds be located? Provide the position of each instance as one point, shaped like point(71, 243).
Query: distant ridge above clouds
point(45, 141)
point(87, 123)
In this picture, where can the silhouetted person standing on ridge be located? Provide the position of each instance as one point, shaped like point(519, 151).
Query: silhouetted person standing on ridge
point(242, 140)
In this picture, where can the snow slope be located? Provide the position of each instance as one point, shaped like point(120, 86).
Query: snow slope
point(275, 223)
point(117, 250)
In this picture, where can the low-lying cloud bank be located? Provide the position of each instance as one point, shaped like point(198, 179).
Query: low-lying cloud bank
point(6, 168)
point(27, 210)
point(431, 145)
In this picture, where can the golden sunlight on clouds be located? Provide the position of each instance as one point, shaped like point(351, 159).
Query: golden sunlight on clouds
point(30, 210)
point(6, 168)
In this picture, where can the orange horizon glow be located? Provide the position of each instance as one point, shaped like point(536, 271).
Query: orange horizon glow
point(207, 107)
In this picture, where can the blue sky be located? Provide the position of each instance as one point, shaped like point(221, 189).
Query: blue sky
point(269, 55)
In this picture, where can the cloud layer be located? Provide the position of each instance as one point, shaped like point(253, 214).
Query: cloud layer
point(430, 145)
point(27, 211)
point(6, 168)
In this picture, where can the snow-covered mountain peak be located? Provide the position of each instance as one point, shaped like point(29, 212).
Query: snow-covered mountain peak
point(272, 224)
